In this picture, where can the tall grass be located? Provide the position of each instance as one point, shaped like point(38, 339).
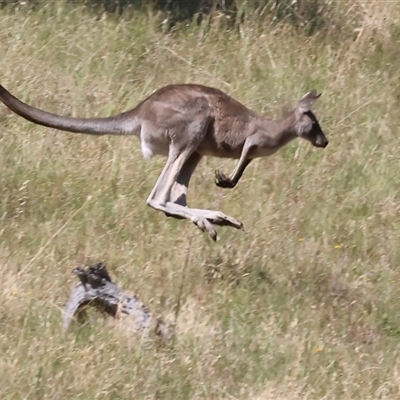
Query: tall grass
point(304, 305)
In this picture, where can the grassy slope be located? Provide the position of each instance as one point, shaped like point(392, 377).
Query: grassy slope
point(303, 305)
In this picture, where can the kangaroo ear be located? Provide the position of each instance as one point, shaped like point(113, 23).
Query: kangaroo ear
point(306, 102)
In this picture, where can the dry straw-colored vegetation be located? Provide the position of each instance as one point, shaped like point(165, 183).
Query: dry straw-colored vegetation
point(304, 305)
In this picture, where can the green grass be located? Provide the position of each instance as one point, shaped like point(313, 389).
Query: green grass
point(304, 305)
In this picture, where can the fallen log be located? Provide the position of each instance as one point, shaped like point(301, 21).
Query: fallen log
point(97, 289)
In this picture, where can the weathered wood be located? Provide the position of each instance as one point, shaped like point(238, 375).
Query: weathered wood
point(97, 289)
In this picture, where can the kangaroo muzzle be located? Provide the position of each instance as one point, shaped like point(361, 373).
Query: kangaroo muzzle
point(321, 141)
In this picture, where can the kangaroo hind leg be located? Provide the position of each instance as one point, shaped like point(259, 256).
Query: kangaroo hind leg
point(170, 192)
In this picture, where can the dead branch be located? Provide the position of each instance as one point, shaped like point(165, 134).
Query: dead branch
point(97, 289)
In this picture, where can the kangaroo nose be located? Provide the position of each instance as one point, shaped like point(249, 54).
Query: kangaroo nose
point(322, 142)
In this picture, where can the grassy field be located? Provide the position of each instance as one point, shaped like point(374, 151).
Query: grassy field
point(303, 305)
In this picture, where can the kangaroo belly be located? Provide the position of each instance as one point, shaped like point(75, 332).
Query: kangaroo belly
point(221, 149)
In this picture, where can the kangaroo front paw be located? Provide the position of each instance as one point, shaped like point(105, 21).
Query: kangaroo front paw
point(223, 181)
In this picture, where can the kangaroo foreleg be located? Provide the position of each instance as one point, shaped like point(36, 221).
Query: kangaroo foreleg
point(229, 182)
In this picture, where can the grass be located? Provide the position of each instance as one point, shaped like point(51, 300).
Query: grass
point(304, 305)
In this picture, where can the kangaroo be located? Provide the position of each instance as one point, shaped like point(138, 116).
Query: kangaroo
point(185, 122)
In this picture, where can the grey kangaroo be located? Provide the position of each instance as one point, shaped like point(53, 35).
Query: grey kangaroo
point(186, 122)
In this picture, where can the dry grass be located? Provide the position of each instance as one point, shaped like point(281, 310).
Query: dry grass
point(301, 306)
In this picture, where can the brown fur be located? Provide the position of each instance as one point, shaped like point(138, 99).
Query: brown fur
point(186, 122)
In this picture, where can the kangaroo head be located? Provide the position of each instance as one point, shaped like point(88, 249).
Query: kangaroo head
point(306, 124)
